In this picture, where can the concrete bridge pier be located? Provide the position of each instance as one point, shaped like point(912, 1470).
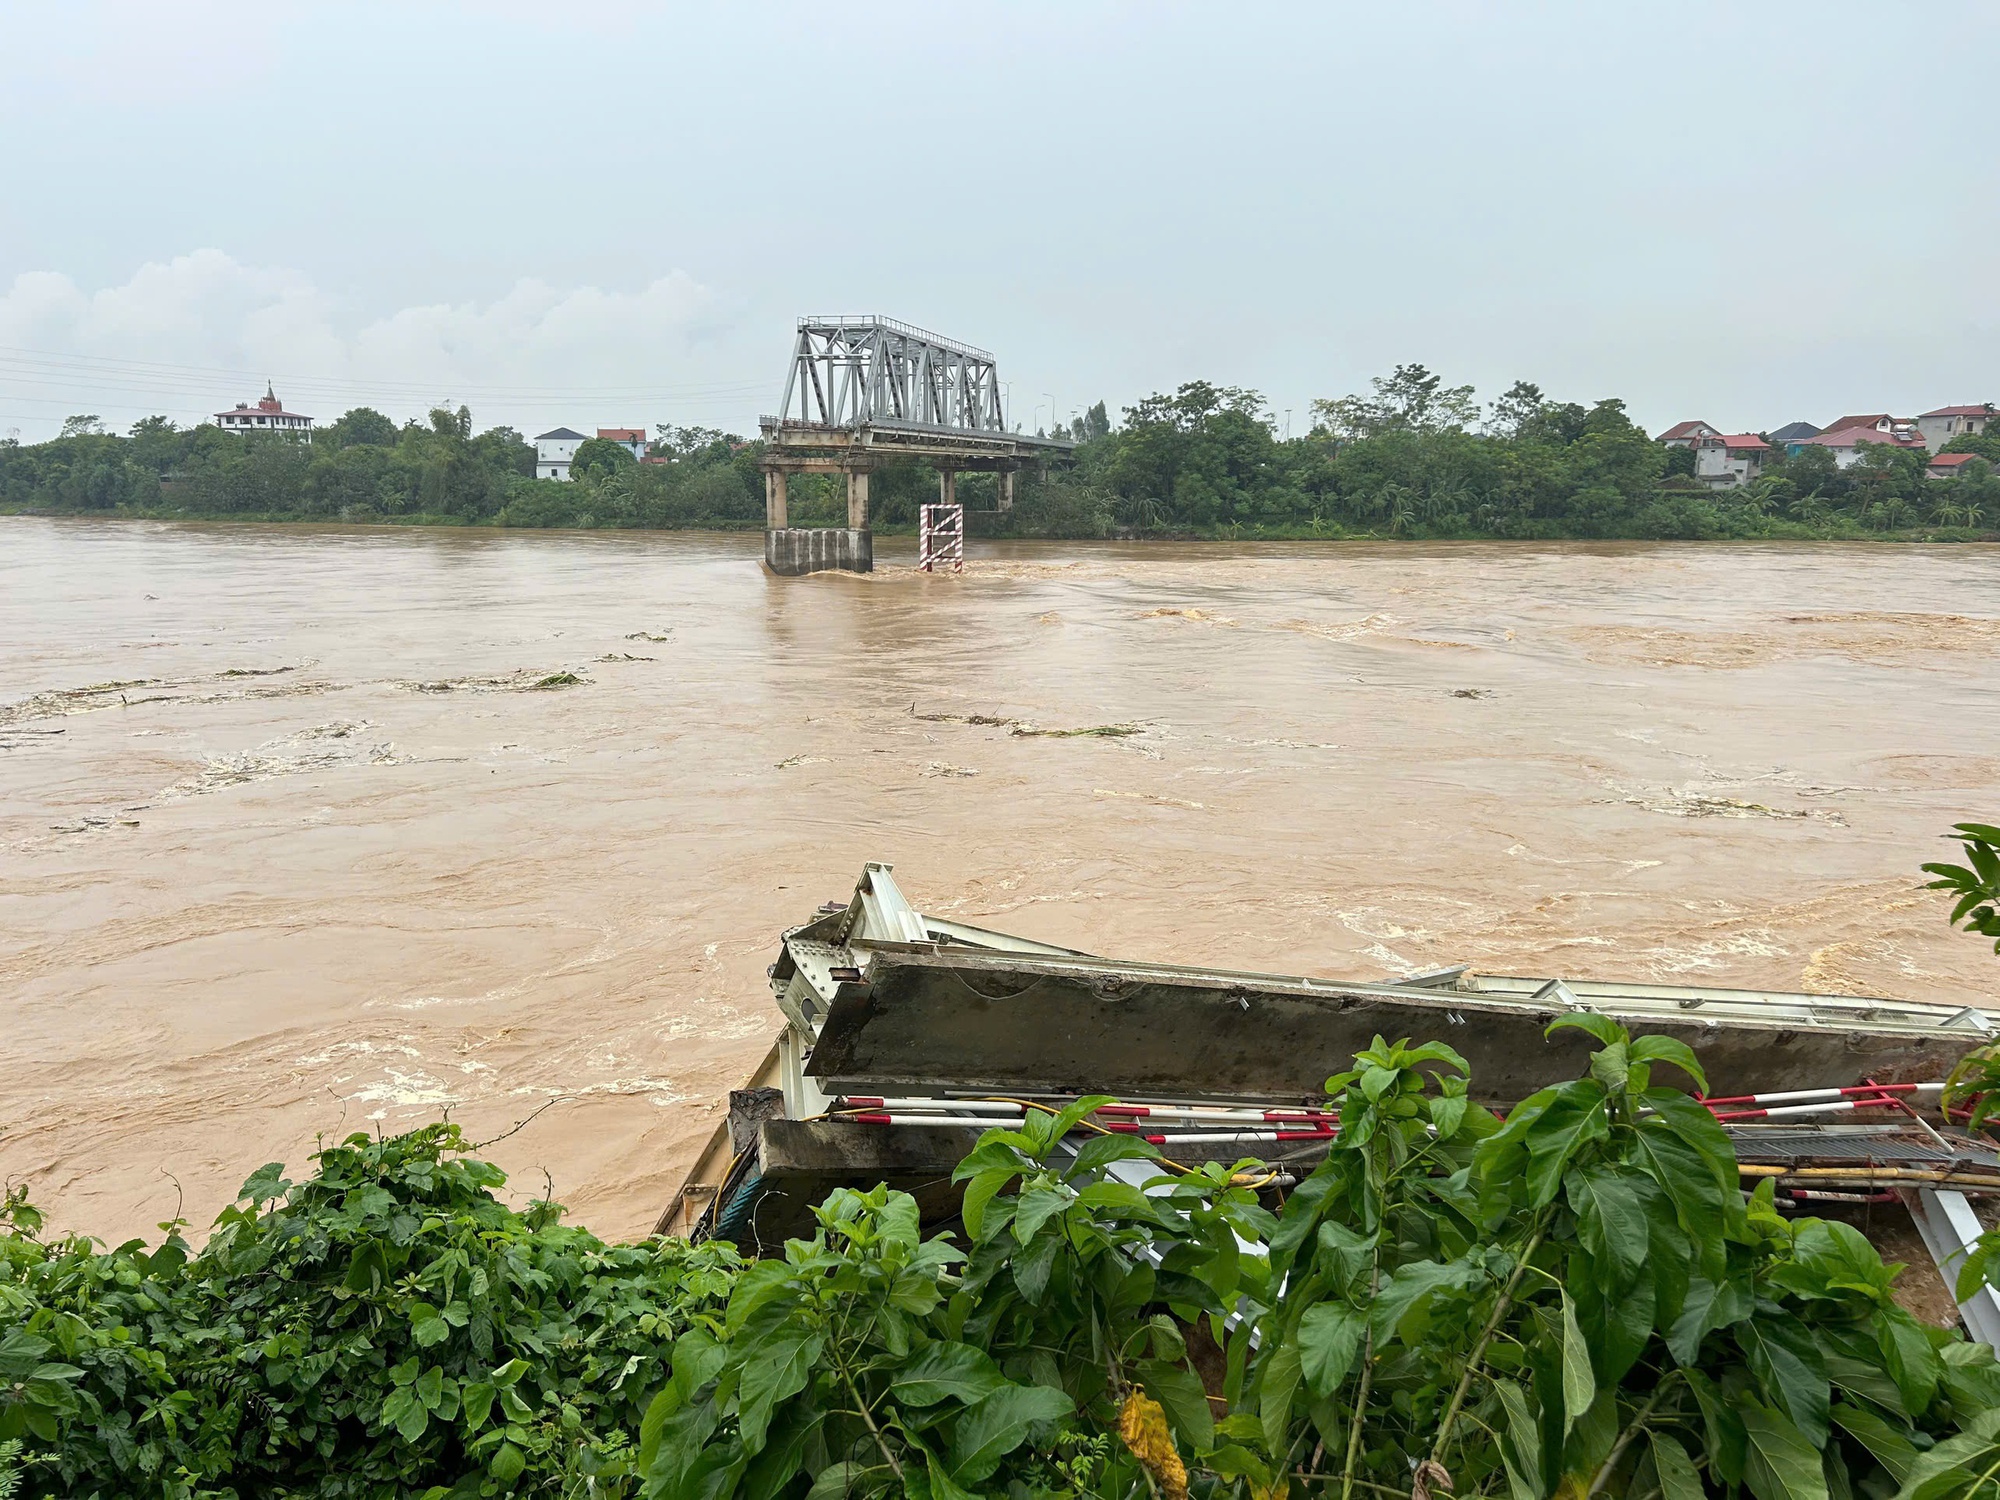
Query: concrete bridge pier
point(791, 550)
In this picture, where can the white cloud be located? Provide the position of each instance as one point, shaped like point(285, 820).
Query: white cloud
point(196, 333)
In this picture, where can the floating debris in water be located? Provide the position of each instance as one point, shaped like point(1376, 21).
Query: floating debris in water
point(1702, 805)
point(946, 768)
point(1194, 616)
point(1028, 729)
point(647, 635)
point(555, 680)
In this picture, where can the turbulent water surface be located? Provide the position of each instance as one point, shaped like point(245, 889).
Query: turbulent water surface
point(294, 840)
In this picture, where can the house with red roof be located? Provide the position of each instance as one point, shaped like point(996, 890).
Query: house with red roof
point(1950, 465)
point(1687, 434)
point(1846, 436)
point(1939, 427)
point(1722, 461)
point(631, 439)
point(268, 415)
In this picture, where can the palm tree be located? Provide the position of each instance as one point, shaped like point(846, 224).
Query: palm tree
point(1949, 512)
point(1893, 513)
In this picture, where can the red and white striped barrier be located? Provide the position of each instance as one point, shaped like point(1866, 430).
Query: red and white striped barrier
point(1787, 1105)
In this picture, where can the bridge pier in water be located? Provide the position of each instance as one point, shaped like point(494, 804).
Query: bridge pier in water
point(864, 392)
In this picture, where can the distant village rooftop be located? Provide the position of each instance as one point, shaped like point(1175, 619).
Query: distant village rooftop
point(268, 415)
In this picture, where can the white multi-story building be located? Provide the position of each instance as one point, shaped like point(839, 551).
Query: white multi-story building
point(1947, 422)
point(553, 452)
point(268, 415)
point(1724, 461)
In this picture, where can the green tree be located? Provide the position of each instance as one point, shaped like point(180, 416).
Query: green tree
point(600, 458)
point(362, 427)
point(1411, 399)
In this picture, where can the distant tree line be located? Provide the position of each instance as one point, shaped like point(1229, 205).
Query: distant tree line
point(1413, 457)
point(1418, 458)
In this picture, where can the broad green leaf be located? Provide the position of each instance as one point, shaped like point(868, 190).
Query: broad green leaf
point(1280, 1383)
point(1410, 1289)
point(1700, 1201)
point(1345, 1254)
point(1032, 1264)
point(942, 1487)
point(1676, 1471)
point(757, 1285)
point(1579, 1383)
point(1038, 1205)
point(406, 1413)
point(1611, 1221)
point(1618, 1324)
point(1100, 1151)
point(1612, 1066)
point(1786, 1359)
point(899, 1220)
point(1891, 1446)
point(997, 1150)
point(1574, 1118)
point(1523, 1450)
point(978, 1193)
point(1723, 1427)
point(429, 1388)
point(778, 1371)
point(508, 1463)
point(997, 1424)
point(1182, 1397)
point(843, 1480)
point(1329, 1337)
point(946, 1371)
point(478, 1403)
point(1909, 1357)
point(1780, 1462)
point(1665, 1049)
point(1603, 1028)
point(1945, 1471)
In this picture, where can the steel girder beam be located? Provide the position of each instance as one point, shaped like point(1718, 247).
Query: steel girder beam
point(852, 372)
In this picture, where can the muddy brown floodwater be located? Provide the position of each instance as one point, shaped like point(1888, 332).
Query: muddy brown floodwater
point(292, 842)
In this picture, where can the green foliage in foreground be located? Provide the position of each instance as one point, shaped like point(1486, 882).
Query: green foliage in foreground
point(385, 1326)
point(1575, 1302)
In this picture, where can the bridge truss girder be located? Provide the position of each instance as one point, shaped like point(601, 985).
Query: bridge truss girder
point(853, 372)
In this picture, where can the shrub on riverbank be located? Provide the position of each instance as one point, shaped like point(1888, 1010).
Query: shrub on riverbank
point(1577, 1302)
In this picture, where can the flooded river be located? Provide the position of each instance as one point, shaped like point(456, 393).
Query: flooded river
point(321, 856)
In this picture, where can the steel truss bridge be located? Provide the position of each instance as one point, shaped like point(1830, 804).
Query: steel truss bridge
point(865, 391)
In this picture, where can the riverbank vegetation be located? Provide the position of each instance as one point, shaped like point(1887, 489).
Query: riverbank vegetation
point(1413, 458)
point(1576, 1302)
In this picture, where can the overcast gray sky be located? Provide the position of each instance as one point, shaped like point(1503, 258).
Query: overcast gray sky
point(612, 213)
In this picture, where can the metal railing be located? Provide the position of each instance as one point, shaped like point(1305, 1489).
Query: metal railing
point(908, 330)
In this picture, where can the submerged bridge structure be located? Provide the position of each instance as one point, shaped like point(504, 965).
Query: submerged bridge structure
point(863, 392)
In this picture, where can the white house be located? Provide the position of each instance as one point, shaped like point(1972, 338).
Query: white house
point(553, 452)
point(1724, 461)
point(1846, 440)
point(268, 415)
point(631, 439)
point(1947, 422)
